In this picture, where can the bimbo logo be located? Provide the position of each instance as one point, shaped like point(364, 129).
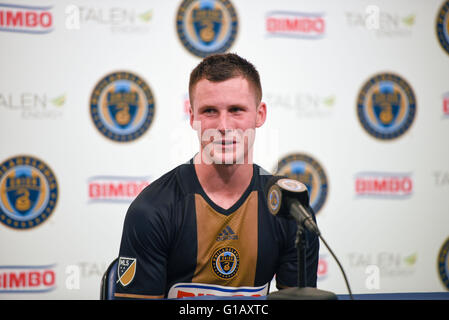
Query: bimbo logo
point(23, 279)
point(380, 184)
point(26, 19)
point(295, 24)
point(116, 189)
point(182, 290)
point(323, 267)
point(446, 105)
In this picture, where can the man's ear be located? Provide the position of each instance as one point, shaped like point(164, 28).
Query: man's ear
point(261, 114)
point(191, 115)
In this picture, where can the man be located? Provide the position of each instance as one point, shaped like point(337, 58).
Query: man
point(204, 227)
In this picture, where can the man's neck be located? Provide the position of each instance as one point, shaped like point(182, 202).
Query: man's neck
point(224, 183)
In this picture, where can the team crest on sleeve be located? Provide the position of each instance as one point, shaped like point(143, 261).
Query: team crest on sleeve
point(274, 199)
point(443, 263)
point(122, 106)
point(386, 106)
point(206, 26)
point(225, 262)
point(309, 171)
point(126, 270)
point(442, 26)
point(28, 192)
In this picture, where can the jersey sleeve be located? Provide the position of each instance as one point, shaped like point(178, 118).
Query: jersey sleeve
point(287, 273)
point(145, 242)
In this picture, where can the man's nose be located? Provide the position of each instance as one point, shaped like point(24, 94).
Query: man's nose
point(224, 123)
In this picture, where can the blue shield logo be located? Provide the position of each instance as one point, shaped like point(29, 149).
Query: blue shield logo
point(386, 105)
point(23, 192)
point(122, 106)
point(207, 22)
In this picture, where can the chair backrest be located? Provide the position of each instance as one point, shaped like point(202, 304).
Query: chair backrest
point(107, 287)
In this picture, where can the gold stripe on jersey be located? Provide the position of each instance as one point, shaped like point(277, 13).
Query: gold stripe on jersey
point(214, 248)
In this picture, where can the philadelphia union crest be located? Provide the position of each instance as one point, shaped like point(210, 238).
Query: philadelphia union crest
point(28, 192)
point(386, 106)
point(206, 26)
point(443, 263)
point(225, 262)
point(274, 199)
point(309, 171)
point(442, 26)
point(122, 106)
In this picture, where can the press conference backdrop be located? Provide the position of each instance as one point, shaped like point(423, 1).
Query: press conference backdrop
point(93, 108)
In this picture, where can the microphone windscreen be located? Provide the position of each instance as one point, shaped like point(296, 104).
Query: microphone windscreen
point(280, 189)
point(270, 183)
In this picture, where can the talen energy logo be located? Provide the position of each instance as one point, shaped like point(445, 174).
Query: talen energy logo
point(295, 24)
point(26, 19)
point(383, 184)
point(27, 279)
point(115, 189)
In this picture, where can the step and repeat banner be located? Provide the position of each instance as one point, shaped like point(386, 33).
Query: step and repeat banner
point(94, 107)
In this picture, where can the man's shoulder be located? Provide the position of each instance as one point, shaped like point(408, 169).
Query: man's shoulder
point(163, 191)
point(263, 176)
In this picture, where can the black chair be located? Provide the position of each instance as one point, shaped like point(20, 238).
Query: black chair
point(108, 281)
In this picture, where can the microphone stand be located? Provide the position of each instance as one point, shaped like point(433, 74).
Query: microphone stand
point(302, 292)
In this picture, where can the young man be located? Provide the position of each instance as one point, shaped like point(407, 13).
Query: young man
point(204, 227)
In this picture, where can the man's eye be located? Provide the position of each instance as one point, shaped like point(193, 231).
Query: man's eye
point(208, 111)
point(236, 109)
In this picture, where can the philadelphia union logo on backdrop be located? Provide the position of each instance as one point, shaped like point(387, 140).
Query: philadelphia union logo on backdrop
point(443, 263)
point(122, 106)
point(442, 26)
point(28, 192)
point(206, 26)
point(309, 171)
point(386, 106)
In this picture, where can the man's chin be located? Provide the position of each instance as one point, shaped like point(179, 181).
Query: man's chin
point(228, 159)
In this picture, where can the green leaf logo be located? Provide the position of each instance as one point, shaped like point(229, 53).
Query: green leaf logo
point(409, 20)
point(411, 259)
point(329, 101)
point(146, 16)
point(59, 101)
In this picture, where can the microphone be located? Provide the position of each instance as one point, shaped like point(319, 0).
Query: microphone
point(290, 198)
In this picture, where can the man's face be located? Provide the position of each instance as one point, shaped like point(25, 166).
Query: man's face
point(226, 114)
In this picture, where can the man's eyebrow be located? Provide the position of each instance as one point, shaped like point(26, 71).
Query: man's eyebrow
point(207, 106)
point(237, 106)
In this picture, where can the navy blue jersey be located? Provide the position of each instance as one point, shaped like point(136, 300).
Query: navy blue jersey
point(177, 242)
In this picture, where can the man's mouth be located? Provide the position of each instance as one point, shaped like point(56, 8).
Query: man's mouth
point(225, 142)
